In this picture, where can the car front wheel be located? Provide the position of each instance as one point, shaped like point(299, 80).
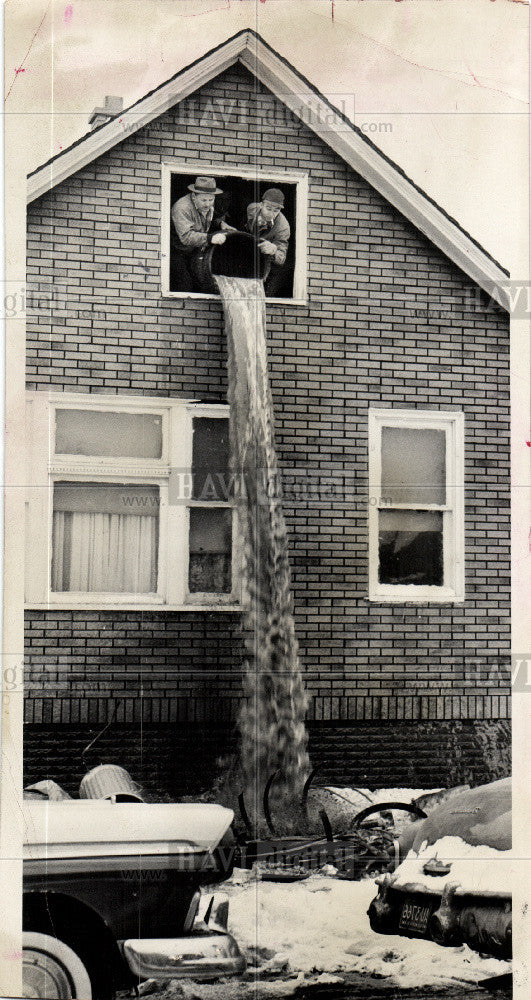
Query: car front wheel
point(51, 969)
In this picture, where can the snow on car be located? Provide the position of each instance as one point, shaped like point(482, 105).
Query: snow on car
point(453, 885)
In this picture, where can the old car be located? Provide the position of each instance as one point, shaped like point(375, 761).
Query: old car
point(112, 896)
point(453, 882)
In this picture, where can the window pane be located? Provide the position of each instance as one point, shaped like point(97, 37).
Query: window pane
point(410, 547)
point(105, 538)
point(413, 465)
point(210, 550)
point(98, 432)
point(210, 459)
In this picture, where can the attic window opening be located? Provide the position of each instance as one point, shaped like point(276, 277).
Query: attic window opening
point(235, 234)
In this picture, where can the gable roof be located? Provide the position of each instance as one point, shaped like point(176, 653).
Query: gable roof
point(320, 115)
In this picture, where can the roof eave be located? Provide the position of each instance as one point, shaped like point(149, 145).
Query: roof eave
point(313, 108)
point(391, 183)
point(128, 122)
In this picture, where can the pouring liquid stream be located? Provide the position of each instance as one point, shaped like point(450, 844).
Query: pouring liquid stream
point(272, 727)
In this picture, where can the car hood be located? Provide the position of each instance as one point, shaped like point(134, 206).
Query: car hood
point(76, 828)
point(477, 816)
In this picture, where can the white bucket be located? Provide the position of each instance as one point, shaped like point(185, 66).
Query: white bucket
point(109, 781)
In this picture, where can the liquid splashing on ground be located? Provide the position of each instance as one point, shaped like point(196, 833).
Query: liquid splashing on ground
point(272, 728)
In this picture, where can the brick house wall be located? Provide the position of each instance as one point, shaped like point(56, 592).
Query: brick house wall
point(390, 322)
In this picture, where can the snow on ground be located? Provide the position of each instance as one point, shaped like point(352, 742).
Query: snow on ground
point(238, 990)
point(361, 798)
point(321, 925)
point(317, 930)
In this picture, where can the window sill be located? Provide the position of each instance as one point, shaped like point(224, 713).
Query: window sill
point(217, 298)
point(86, 606)
point(426, 597)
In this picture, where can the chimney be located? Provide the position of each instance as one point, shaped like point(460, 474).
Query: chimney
point(113, 106)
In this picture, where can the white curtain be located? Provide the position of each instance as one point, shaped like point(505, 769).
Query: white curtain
point(114, 553)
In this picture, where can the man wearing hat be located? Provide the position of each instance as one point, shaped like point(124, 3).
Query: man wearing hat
point(196, 227)
point(266, 221)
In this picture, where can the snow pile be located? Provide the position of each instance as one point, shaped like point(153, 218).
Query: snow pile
point(362, 797)
point(475, 869)
point(321, 925)
point(350, 801)
point(251, 990)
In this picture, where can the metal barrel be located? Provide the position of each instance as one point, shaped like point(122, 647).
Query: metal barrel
point(109, 781)
point(237, 257)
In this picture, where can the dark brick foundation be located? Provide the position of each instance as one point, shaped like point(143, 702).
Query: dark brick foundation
point(411, 754)
point(179, 760)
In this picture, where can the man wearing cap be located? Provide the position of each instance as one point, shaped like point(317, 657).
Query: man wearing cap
point(266, 221)
point(196, 227)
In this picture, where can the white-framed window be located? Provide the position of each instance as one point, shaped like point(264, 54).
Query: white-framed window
point(241, 187)
point(128, 503)
point(416, 505)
